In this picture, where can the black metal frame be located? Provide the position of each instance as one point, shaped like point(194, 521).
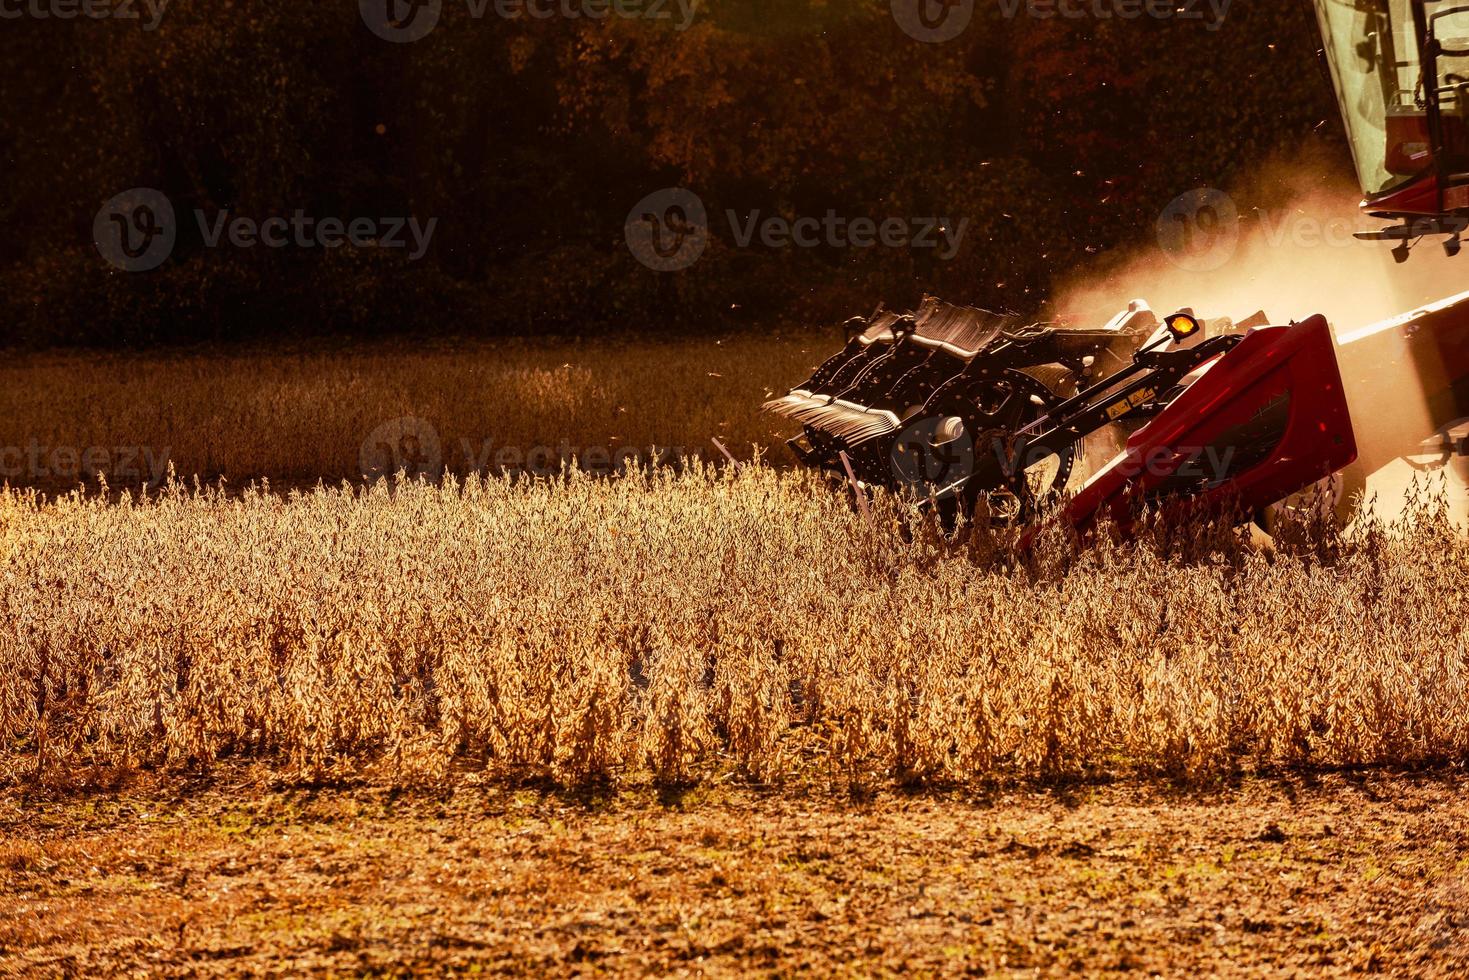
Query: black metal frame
point(1139, 391)
point(1011, 351)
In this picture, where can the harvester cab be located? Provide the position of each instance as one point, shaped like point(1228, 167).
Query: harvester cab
point(1401, 71)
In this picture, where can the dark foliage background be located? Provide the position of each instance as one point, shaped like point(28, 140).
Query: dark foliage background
point(530, 140)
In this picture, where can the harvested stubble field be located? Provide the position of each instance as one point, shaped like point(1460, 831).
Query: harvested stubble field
point(708, 664)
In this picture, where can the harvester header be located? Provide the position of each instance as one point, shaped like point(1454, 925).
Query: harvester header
point(951, 404)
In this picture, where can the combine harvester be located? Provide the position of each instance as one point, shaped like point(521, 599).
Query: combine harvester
point(952, 404)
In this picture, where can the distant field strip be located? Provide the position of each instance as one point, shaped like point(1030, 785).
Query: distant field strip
point(299, 417)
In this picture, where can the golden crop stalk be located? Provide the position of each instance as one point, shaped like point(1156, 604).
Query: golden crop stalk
point(663, 625)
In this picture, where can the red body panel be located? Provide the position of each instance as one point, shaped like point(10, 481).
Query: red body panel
point(1266, 421)
point(1419, 198)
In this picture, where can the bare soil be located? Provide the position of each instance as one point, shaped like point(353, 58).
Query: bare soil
point(1330, 875)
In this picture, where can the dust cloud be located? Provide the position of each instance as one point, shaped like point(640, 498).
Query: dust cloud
point(1281, 243)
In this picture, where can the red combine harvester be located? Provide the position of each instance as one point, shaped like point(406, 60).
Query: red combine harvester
point(951, 403)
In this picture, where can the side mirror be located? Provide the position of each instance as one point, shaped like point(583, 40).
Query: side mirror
point(1449, 30)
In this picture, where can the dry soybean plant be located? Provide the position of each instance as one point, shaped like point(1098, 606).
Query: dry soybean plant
point(699, 624)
